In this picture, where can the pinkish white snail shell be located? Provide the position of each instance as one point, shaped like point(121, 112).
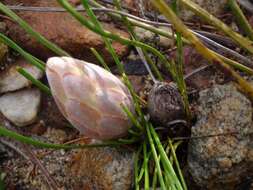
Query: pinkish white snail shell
point(89, 97)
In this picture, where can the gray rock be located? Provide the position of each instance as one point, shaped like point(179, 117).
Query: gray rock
point(21, 107)
point(221, 162)
point(104, 168)
point(148, 36)
point(11, 80)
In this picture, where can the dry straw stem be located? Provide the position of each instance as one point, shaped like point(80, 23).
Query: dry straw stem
point(200, 47)
point(169, 35)
point(244, 42)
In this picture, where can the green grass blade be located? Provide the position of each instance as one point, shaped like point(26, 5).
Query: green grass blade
point(174, 181)
point(173, 151)
point(154, 181)
point(146, 172)
point(106, 40)
point(142, 52)
point(155, 156)
point(27, 140)
point(136, 167)
point(100, 59)
point(133, 119)
point(34, 81)
point(240, 18)
point(234, 64)
point(33, 60)
point(30, 31)
point(179, 68)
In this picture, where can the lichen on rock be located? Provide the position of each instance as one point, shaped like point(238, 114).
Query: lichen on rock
point(223, 161)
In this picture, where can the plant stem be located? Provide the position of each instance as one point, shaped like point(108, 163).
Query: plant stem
point(98, 26)
point(34, 81)
point(100, 59)
point(33, 60)
point(142, 53)
point(177, 165)
point(136, 160)
point(27, 140)
point(146, 174)
point(157, 161)
point(179, 68)
point(241, 19)
point(173, 179)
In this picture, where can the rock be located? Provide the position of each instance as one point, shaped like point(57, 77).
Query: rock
point(223, 161)
point(11, 79)
point(148, 36)
point(143, 34)
point(103, 169)
point(21, 107)
point(132, 67)
point(163, 41)
point(63, 30)
point(86, 169)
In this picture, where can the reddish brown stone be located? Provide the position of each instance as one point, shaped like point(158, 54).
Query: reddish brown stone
point(64, 31)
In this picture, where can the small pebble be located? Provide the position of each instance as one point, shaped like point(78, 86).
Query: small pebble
point(21, 107)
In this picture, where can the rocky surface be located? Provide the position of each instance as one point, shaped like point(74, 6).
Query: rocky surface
point(63, 30)
point(104, 168)
point(21, 107)
point(100, 168)
point(223, 161)
point(11, 79)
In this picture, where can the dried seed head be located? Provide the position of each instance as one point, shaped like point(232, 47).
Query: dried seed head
point(165, 103)
point(89, 97)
